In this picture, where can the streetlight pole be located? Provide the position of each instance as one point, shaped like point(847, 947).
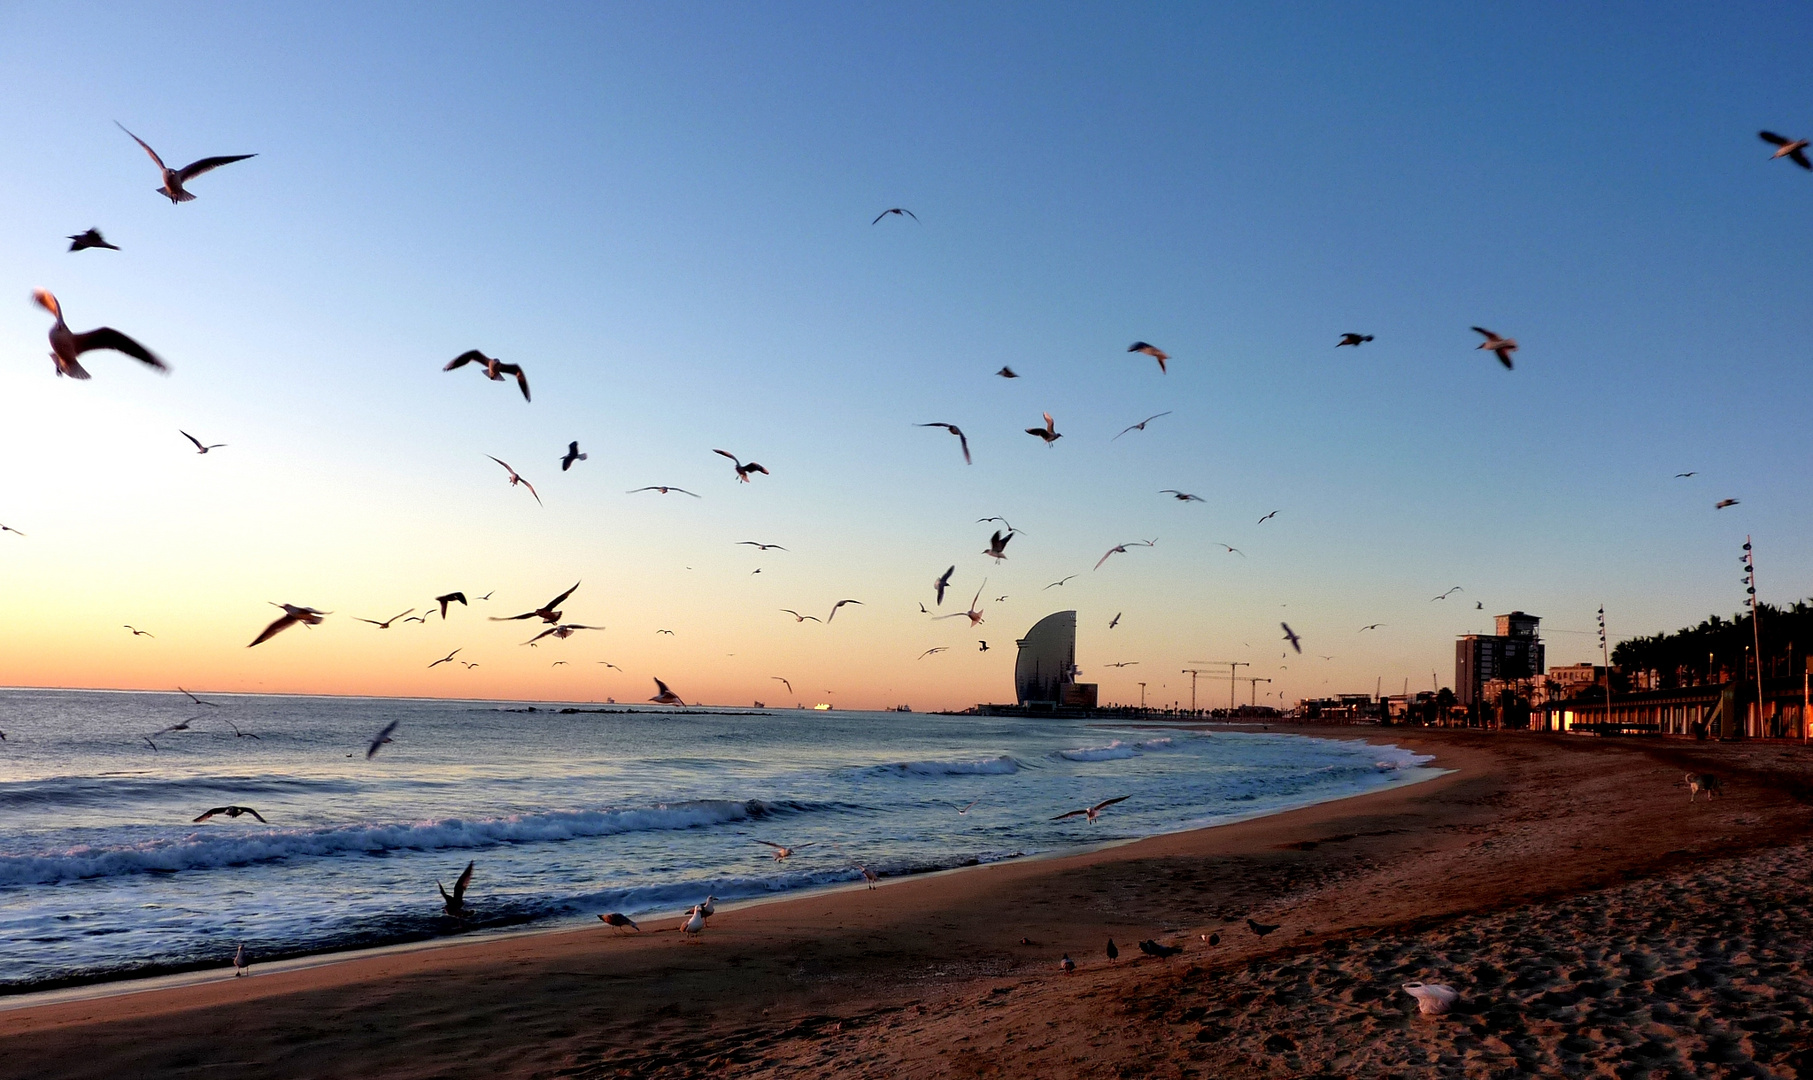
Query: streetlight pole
point(1605, 654)
point(1142, 697)
point(1756, 626)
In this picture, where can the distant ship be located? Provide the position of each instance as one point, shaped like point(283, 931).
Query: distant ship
point(903, 708)
point(822, 708)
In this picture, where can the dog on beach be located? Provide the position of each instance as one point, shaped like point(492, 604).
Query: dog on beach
point(1703, 781)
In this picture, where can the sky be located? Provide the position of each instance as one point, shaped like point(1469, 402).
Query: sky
point(663, 212)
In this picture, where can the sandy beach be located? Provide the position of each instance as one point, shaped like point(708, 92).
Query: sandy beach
point(1594, 921)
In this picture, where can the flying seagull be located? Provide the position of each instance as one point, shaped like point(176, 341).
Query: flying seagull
point(1153, 351)
point(954, 430)
point(1058, 582)
point(237, 734)
point(896, 211)
point(797, 617)
point(941, 584)
point(743, 470)
point(1182, 496)
point(572, 455)
point(515, 479)
point(1094, 811)
point(1503, 346)
point(837, 605)
point(663, 489)
point(929, 652)
point(1121, 549)
point(495, 370)
point(1116, 621)
point(1794, 150)
point(1268, 517)
point(1684, 475)
point(546, 613)
point(781, 851)
point(455, 902)
point(1049, 432)
point(974, 614)
point(82, 241)
point(232, 812)
point(10, 529)
point(783, 682)
point(1123, 663)
point(1141, 426)
point(199, 448)
point(292, 615)
point(449, 598)
point(446, 659)
point(1447, 594)
point(664, 696)
point(561, 632)
point(997, 545)
point(1371, 626)
point(197, 700)
point(982, 646)
point(759, 545)
point(1007, 373)
point(136, 632)
point(1722, 503)
point(1291, 636)
point(174, 179)
point(67, 346)
point(1004, 523)
point(1231, 549)
point(380, 739)
point(385, 625)
point(1353, 339)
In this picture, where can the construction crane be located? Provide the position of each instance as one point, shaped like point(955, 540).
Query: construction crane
point(1233, 667)
point(1255, 681)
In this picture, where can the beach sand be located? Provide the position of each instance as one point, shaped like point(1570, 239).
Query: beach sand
point(1595, 922)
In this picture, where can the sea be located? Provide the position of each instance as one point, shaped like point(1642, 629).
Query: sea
point(566, 812)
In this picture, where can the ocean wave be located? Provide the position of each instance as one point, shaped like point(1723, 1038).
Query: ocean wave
point(1166, 743)
point(1114, 751)
point(212, 848)
point(68, 791)
point(995, 766)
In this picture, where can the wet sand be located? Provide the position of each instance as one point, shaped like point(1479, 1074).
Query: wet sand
point(1595, 922)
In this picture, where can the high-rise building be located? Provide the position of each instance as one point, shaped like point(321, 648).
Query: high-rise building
point(1045, 670)
point(1515, 652)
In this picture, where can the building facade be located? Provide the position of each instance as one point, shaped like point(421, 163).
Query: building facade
point(1045, 670)
point(1515, 652)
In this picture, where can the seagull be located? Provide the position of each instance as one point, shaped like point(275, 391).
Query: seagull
point(869, 875)
point(1684, 475)
point(1212, 939)
point(469, 664)
point(292, 615)
point(1479, 605)
point(1260, 928)
point(82, 241)
point(610, 665)
point(1049, 432)
point(1291, 636)
point(1504, 347)
point(232, 812)
point(983, 644)
point(447, 658)
point(759, 545)
point(1445, 595)
point(1004, 523)
point(1094, 811)
point(664, 696)
point(743, 470)
point(1231, 549)
point(136, 632)
point(557, 663)
point(782, 852)
point(1007, 373)
point(837, 605)
point(619, 920)
point(561, 631)
point(1792, 149)
point(447, 599)
point(997, 544)
point(385, 625)
point(695, 921)
point(1182, 496)
point(1113, 953)
point(572, 455)
point(242, 964)
point(709, 907)
point(1153, 351)
point(954, 430)
point(10, 529)
point(783, 682)
point(67, 346)
point(1353, 339)
point(199, 448)
point(797, 617)
point(455, 902)
point(1123, 663)
point(929, 652)
point(896, 211)
point(546, 613)
point(973, 614)
point(487, 596)
point(966, 809)
point(175, 178)
point(1722, 503)
point(939, 586)
point(184, 726)
point(515, 479)
point(1122, 549)
point(663, 489)
point(1162, 952)
point(495, 370)
point(1141, 426)
point(1058, 582)
point(238, 734)
point(669, 633)
point(1116, 621)
point(1372, 626)
point(1268, 517)
point(1067, 965)
point(197, 700)
point(380, 739)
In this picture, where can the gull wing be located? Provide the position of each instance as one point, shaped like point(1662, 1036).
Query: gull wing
point(281, 623)
point(379, 739)
point(107, 337)
point(255, 814)
point(159, 160)
point(729, 455)
point(769, 843)
point(1110, 802)
point(556, 602)
point(467, 357)
point(1799, 157)
point(1073, 813)
point(522, 380)
point(207, 164)
point(1766, 136)
point(532, 491)
point(1489, 335)
point(459, 887)
point(208, 814)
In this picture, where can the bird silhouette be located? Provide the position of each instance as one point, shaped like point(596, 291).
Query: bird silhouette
point(1353, 339)
point(67, 346)
point(91, 238)
point(494, 369)
point(572, 455)
point(1153, 351)
point(174, 179)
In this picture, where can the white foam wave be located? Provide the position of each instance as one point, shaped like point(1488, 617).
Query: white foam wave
point(1114, 751)
point(995, 766)
point(1166, 743)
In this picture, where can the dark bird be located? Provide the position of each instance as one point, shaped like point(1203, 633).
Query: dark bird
point(1007, 373)
point(930, 652)
point(1479, 605)
point(1121, 549)
point(1268, 517)
point(1722, 503)
point(455, 902)
point(1182, 496)
point(232, 812)
point(10, 529)
point(450, 598)
point(610, 665)
point(983, 644)
point(663, 489)
point(174, 179)
point(664, 696)
point(446, 659)
point(1353, 339)
point(783, 682)
point(743, 470)
point(997, 545)
point(1213, 939)
point(1447, 594)
point(1153, 351)
point(237, 734)
point(941, 584)
point(1794, 150)
point(895, 210)
point(1116, 621)
point(1123, 663)
point(954, 430)
point(385, 625)
point(1067, 965)
point(515, 479)
point(1231, 549)
point(1058, 582)
point(292, 615)
point(839, 604)
point(199, 448)
point(572, 455)
point(469, 665)
point(422, 618)
point(669, 633)
point(797, 617)
point(136, 632)
point(1094, 811)
point(495, 370)
point(82, 241)
point(1260, 928)
point(547, 613)
point(1113, 953)
point(1141, 426)
point(1049, 432)
point(1504, 347)
point(1291, 636)
point(1683, 475)
point(197, 700)
point(1162, 952)
point(557, 663)
point(759, 545)
point(67, 346)
point(561, 632)
point(1371, 626)
point(620, 921)
point(1004, 523)
point(380, 739)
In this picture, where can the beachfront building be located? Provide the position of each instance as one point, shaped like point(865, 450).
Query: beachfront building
point(1045, 670)
point(1515, 652)
point(1727, 710)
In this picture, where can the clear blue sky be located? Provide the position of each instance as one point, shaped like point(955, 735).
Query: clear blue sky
point(664, 213)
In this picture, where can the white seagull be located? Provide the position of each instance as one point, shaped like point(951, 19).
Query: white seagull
point(199, 448)
point(175, 178)
point(494, 369)
point(515, 479)
point(1121, 549)
point(1092, 812)
point(743, 470)
point(292, 615)
point(67, 346)
point(664, 696)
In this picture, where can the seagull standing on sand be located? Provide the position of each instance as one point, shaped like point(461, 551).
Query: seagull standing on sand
point(1153, 351)
point(1113, 953)
point(67, 346)
point(92, 238)
point(547, 613)
point(1095, 811)
point(495, 370)
point(694, 923)
point(1049, 432)
point(232, 812)
point(1141, 426)
point(1067, 965)
point(869, 875)
point(664, 696)
point(620, 922)
point(1503, 346)
point(954, 430)
point(455, 902)
point(572, 455)
point(380, 739)
point(1794, 150)
point(743, 470)
point(242, 964)
point(516, 479)
point(174, 179)
point(292, 615)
